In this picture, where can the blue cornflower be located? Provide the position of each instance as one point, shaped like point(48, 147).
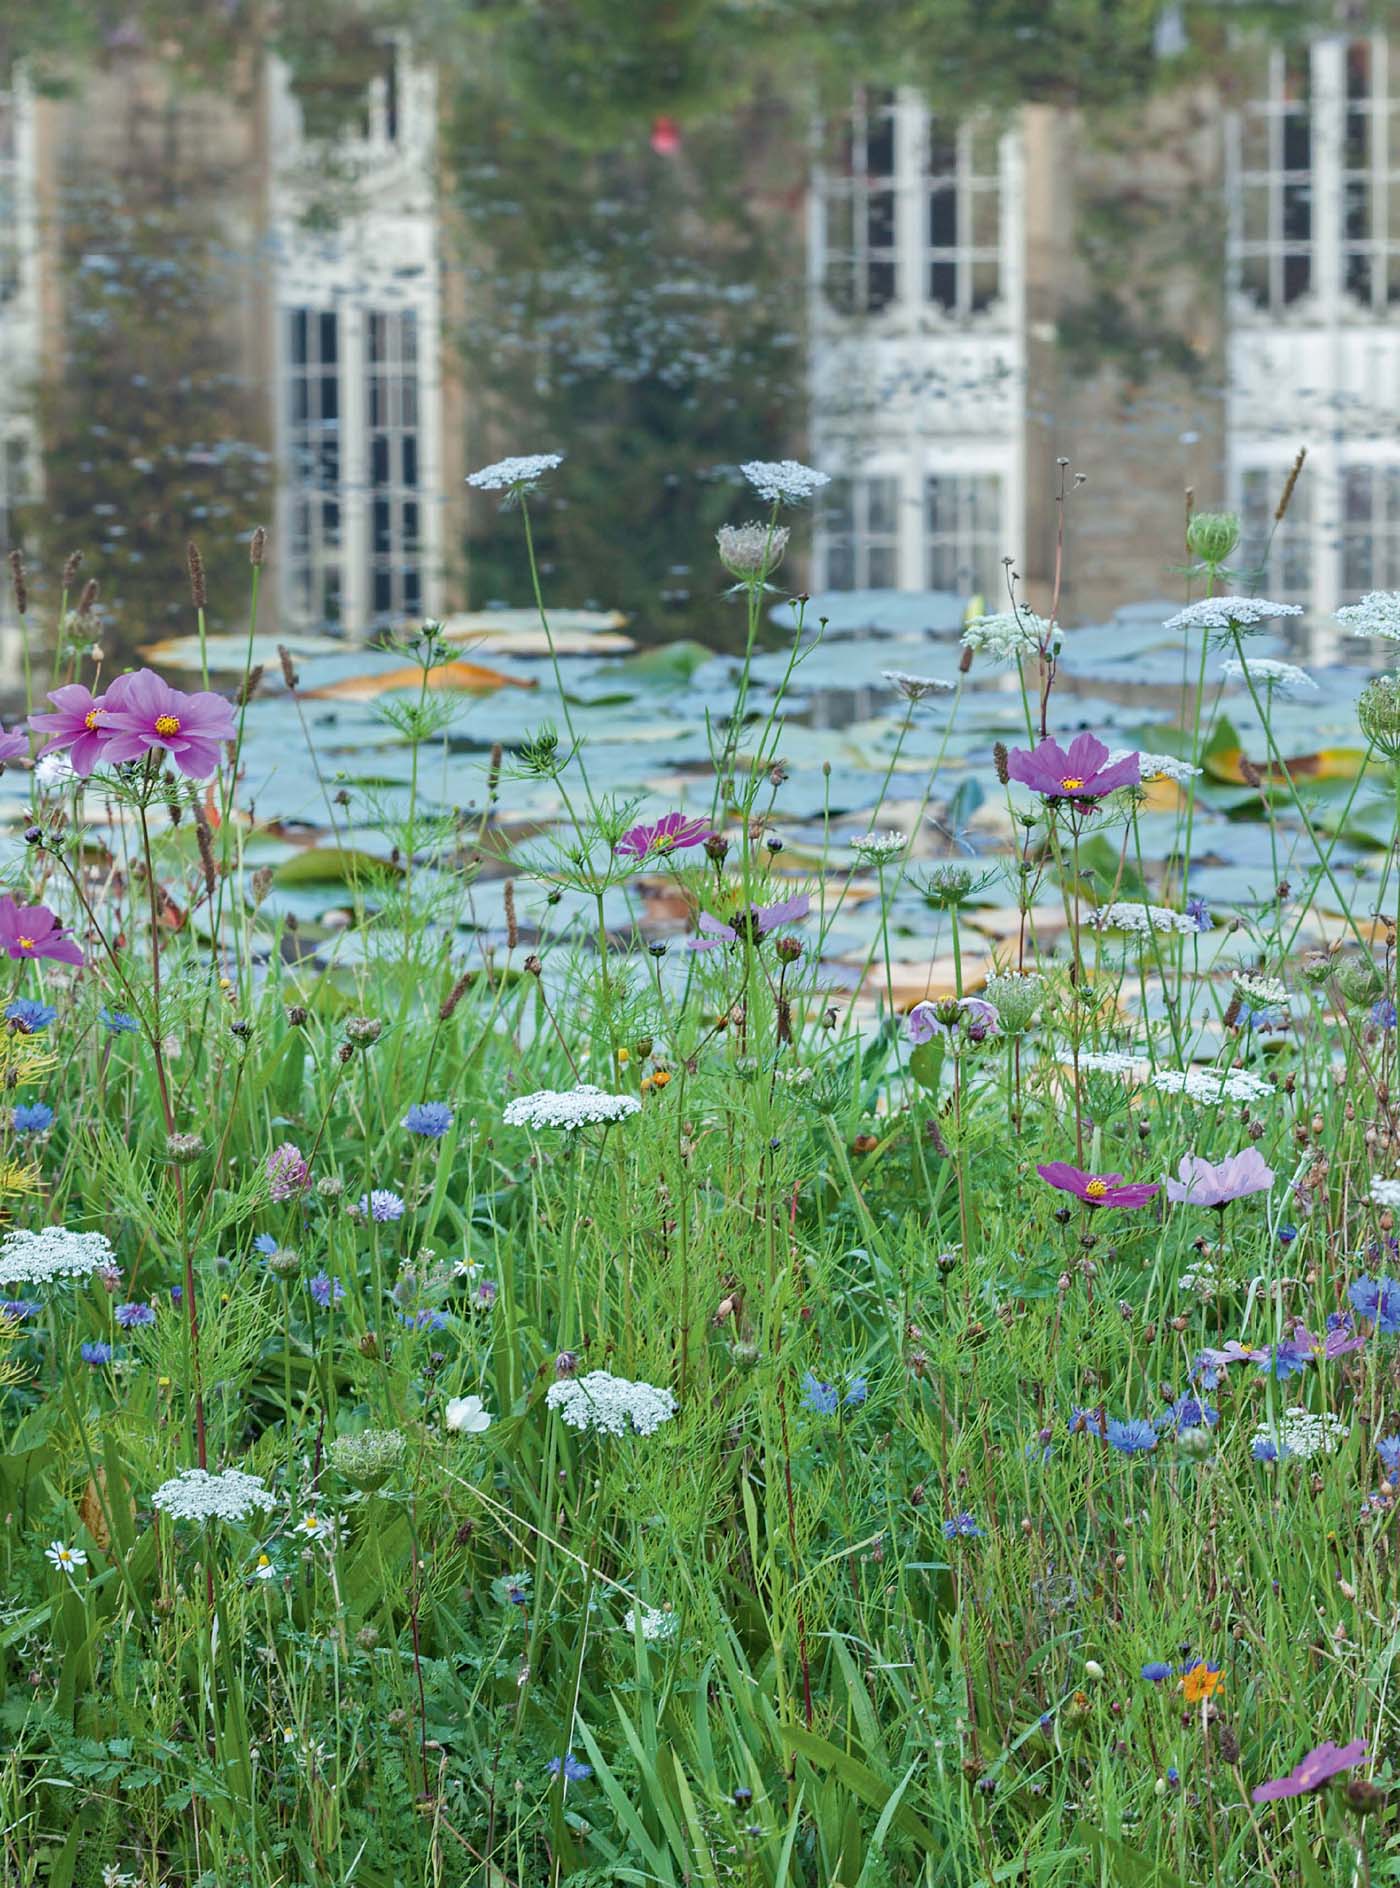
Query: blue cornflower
point(27, 1015)
point(1085, 1422)
point(1286, 1359)
point(32, 1117)
point(1377, 1299)
point(1387, 1448)
point(381, 1204)
point(129, 1316)
point(326, 1290)
point(1286, 1235)
point(821, 1398)
point(423, 1320)
point(1173, 1775)
point(1268, 1018)
point(95, 1353)
point(1136, 1436)
point(1188, 1412)
point(118, 1021)
point(574, 1769)
point(1198, 911)
point(177, 1294)
point(18, 1309)
point(961, 1527)
point(432, 1118)
point(1155, 1671)
point(1205, 1372)
point(265, 1243)
point(1383, 1014)
point(857, 1389)
point(1264, 1449)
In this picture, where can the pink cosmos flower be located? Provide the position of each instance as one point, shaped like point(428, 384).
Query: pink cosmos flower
point(1202, 1184)
point(12, 745)
point(287, 1172)
point(758, 920)
point(34, 931)
point(1097, 1189)
point(76, 723)
point(1081, 773)
point(667, 834)
point(141, 712)
point(1317, 1768)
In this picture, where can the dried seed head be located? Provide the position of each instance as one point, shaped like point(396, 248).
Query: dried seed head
point(289, 674)
point(19, 582)
point(199, 589)
point(257, 548)
point(70, 569)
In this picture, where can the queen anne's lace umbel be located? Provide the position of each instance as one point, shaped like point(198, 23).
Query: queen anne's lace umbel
point(1008, 635)
point(784, 481)
point(613, 1406)
point(196, 1495)
point(1143, 920)
point(1377, 614)
point(35, 1258)
point(1222, 614)
point(506, 475)
point(1212, 1086)
point(583, 1107)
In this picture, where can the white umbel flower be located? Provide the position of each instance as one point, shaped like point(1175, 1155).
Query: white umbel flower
point(1385, 1192)
point(196, 1495)
point(915, 687)
point(1260, 992)
point(1302, 1433)
point(1010, 635)
point(1210, 1087)
point(1107, 1062)
point(568, 1108)
point(1286, 677)
point(876, 848)
point(37, 1258)
point(657, 1624)
point(515, 475)
point(1156, 766)
point(1219, 615)
point(613, 1406)
point(1377, 614)
point(784, 481)
point(1143, 920)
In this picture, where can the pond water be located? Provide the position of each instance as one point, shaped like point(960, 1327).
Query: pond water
point(1025, 283)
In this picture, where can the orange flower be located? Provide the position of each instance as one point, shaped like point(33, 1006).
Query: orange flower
point(1201, 1681)
point(661, 1078)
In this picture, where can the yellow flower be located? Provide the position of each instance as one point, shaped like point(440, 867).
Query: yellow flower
point(1202, 1681)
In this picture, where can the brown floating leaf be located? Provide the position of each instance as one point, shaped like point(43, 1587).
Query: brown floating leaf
point(470, 678)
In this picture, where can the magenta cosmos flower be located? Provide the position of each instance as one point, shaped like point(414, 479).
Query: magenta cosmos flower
point(34, 931)
point(75, 723)
point(12, 745)
point(141, 712)
point(667, 834)
point(1202, 1184)
point(1081, 773)
point(757, 921)
point(1317, 1768)
point(1096, 1189)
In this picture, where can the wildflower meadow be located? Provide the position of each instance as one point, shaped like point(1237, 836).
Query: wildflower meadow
point(538, 1370)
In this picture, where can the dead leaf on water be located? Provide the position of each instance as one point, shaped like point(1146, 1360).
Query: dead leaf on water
point(470, 678)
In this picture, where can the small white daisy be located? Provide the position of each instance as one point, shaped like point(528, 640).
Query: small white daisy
point(66, 1559)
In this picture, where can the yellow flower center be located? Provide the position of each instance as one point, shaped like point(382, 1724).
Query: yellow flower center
point(167, 724)
point(264, 1561)
point(26, 943)
point(1096, 1188)
point(663, 842)
point(90, 720)
point(1070, 784)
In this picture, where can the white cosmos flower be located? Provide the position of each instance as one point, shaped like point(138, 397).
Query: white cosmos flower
point(784, 481)
point(467, 1416)
point(519, 474)
point(53, 770)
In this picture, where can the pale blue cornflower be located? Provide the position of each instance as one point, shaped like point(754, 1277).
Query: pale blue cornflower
point(381, 1204)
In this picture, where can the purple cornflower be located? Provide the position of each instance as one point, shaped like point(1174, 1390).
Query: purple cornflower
point(16, 1310)
point(961, 1527)
point(1318, 1767)
point(664, 835)
point(821, 1398)
point(425, 1320)
point(287, 1172)
point(129, 1316)
point(574, 1770)
point(1286, 1359)
point(118, 1021)
point(1387, 1448)
point(1187, 1412)
point(32, 1117)
point(265, 1243)
point(1383, 1014)
point(1136, 1436)
point(1264, 1449)
point(381, 1204)
point(754, 922)
point(27, 1015)
point(1203, 1183)
point(1096, 1189)
point(326, 1290)
point(1080, 772)
point(1199, 913)
point(1377, 1299)
point(95, 1354)
point(431, 1119)
point(485, 1293)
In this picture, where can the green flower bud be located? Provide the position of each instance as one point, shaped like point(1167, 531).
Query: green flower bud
point(1378, 712)
point(368, 1459)
point(1197, 1444)
point(1015, 995)
point(1213, 536)
point(949, 886)
point(1359, 980)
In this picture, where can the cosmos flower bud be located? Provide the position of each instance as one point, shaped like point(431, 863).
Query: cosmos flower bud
point(789, 949)
point(1196, 1444)
point(716, 847)
point(1213, 536)
point(1378, 713)
point(1363, 1798)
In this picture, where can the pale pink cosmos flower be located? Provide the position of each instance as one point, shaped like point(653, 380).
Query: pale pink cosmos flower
point(1202, 1183)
